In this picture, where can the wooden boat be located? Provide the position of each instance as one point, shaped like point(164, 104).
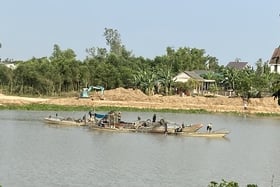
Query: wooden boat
point(161, 126)
point(64, 121)
point(111, 122)
point(164, 126)
point(213, 134)
point(192, 128)
point(156, 129)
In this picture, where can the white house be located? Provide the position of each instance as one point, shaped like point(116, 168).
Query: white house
point(203, 84)
point(274, 61)
point(9, 65)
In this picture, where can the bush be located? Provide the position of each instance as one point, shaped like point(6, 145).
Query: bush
point(228, 184)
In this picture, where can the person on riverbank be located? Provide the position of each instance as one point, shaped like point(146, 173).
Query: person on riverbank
point(245, 104)
point(277, 95)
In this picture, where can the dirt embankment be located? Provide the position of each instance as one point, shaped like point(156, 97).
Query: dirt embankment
point(135, 98)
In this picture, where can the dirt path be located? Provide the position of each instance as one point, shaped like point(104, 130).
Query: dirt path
point(135, 98)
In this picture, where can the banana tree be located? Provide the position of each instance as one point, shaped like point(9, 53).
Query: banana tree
point(145, 80)
point(231, 76)
point(165, 76)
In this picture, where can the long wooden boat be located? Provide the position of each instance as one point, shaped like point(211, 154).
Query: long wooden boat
point(64, 121)
point(192, 128)
point(156, 129)
point(163, 126)
point(213, 134)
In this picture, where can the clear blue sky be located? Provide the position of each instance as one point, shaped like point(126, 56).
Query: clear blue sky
point(245, 29)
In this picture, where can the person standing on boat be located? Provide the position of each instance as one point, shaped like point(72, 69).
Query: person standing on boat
point(154, 118)
point(90, 116)
point(183, 125)
point(84, 118)
point(209, 127)
point(119, 117)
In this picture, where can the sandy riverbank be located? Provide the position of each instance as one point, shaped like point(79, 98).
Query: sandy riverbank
point(121, 97)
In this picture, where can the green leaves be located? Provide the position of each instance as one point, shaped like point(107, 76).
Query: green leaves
point(145, 79)
point(225, 183)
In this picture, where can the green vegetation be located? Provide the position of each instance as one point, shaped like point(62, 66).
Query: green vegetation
point(53, 107)
point(228, 184)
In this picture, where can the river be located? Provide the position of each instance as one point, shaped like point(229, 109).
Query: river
point(36, 154)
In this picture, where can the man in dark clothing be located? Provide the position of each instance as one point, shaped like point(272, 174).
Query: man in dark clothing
point(277, 95)
point(154, 118)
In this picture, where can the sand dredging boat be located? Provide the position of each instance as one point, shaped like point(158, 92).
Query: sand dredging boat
point(112, 122)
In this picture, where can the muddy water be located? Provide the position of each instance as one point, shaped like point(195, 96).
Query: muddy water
point(36, 154)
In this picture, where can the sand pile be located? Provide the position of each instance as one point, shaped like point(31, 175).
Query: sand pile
point(122, 94)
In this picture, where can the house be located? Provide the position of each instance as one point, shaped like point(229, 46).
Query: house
point(9, 65)
point(274, 62)
point(203, 84)
point(237, 65)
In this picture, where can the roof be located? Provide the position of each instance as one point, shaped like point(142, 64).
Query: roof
point(194, 75)
point(201, 72)
point(275, 56)
point(237, 65)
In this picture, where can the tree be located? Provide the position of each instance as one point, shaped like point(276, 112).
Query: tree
point(113, 40)
point(96, 53)
point(185, 58)
point(243, 82)
point(230, 75)
point(165, 77)
point(145, 80)
point(212, 63)
point(67, 70)
point(6, 78)
point(85, 75)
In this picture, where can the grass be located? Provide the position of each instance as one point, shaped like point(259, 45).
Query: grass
point(53, 107)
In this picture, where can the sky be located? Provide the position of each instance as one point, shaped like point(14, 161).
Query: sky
point(247, 30)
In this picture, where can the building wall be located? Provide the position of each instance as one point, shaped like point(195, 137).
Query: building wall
point(275, 68)
point(182, 77)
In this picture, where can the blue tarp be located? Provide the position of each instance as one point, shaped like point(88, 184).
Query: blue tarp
point(99, 115)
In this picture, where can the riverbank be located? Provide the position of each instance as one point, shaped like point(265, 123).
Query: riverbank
point(129, 98)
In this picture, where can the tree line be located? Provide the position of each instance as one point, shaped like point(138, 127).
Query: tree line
point(116, 66)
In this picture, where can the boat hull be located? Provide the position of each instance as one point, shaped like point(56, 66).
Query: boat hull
point(207, 134)
point(64, 122)
point(111, 128)
point(164, 127)
point(156, 129)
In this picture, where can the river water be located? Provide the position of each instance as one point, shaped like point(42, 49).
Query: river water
point(36, 154)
